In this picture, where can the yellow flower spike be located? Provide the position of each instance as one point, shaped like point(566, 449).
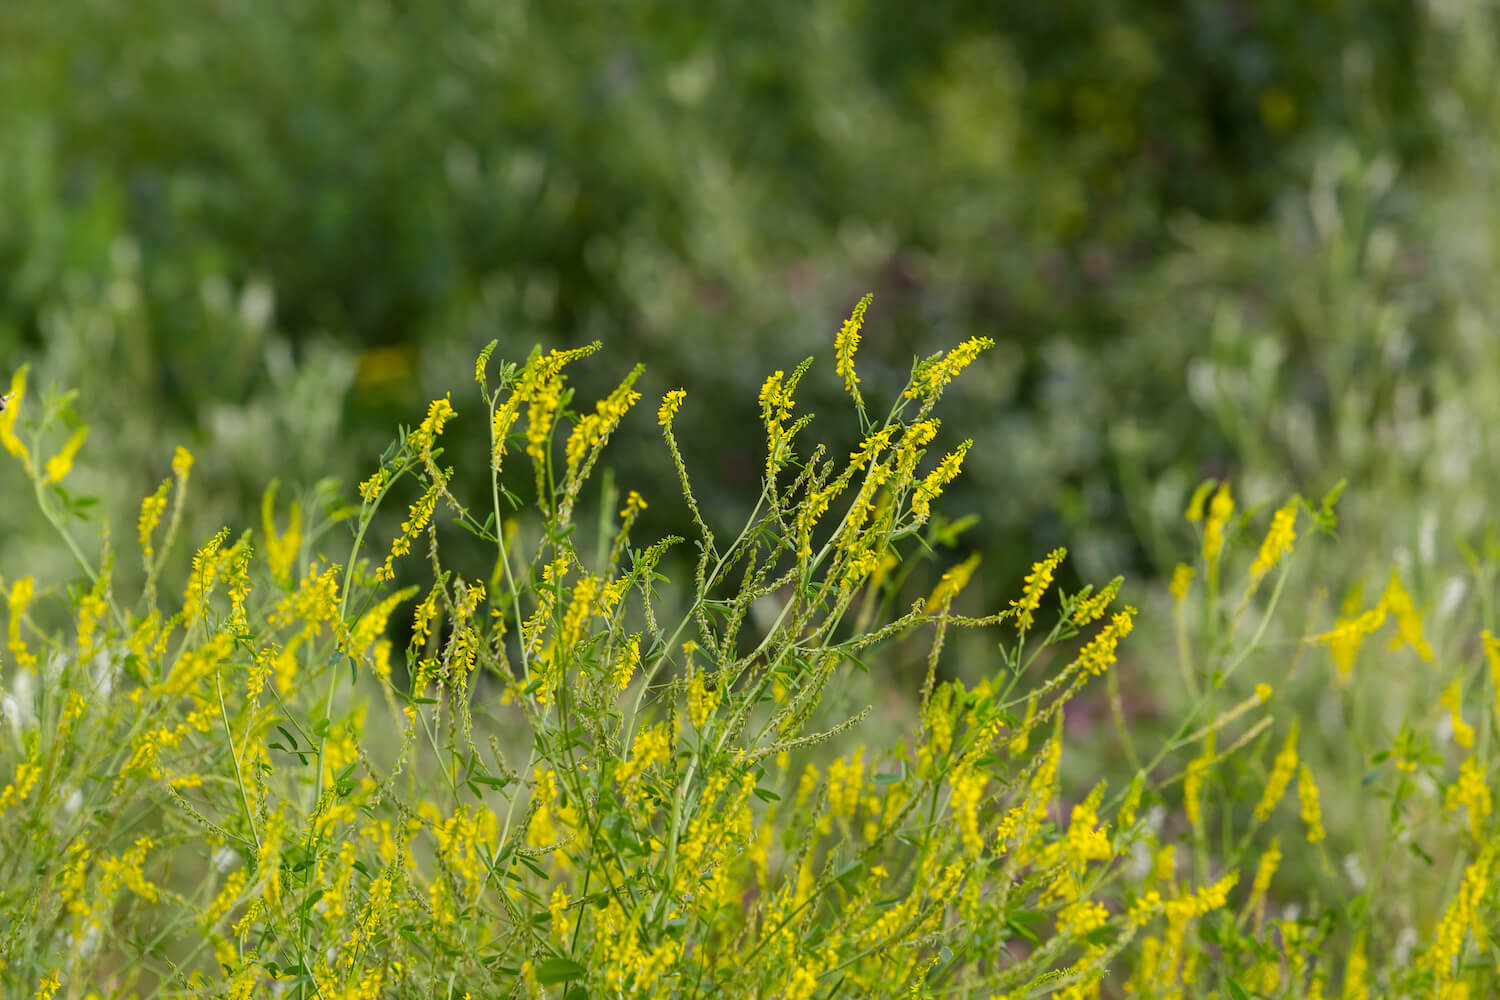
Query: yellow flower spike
point(282, 548)
point(953, 580)
point(931, 487)
point(1092, 608)
point(932, 377)
point(1278, 540)
point(1182, 579)
point(670, 403)
point(59, 465)
point(594, 430)
point(1281, 775)
point(21, 593)
point(1307, 797)
point(1263, 693)
point(1220, 510)
point(1034, 586)
point(1463, 733)
point(1347, 635)
point(1194, 511)
point(10, 412)
point(846, 343)
point(182, 463)
point(1408, 621)
point(1472, 793)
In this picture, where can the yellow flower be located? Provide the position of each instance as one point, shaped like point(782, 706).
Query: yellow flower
point(670, 403)
point(1307, 795)
point(1348, 634)
point(954, 579)
point(593, 430)
point(1220, 510)
point(1281, 775)
point(1278, 540)
point(151, 511)
point(1099, 655)
point(19, 599)
point(1408, 622)
point(10, 412)
point(59, 465)
point(1182, 578)
point(1472, 793)
point(1034, 586)
point(930, 487)
point(1194, 512)
point(1463, 733)
point(846, 342)
point(932, 377)
point(1091, 609)
point(1192, 785)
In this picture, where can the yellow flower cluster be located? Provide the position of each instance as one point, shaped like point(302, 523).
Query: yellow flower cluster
point(594, 430)
point(670, 404)
point(1278, 540)
point(931, 486)
point(1282, 771)
point(1091, 609)
point(703, 701)
point(1472, 793)
point(650, 747)
point(1034, 586)
point(1452, 700)
point(151, 511)
point(1099, 655)
point(1182, 579)
point(1462, 916)
point(1307, 797)
point(419, 515)
point(59, 465)
point(282, 548)
point(1348, 634)
point(1408, 621)
point(953, 580)
point(1220, 510)
point(8, 416)
point(933, 376)
point(21, 593)
point(846, 343)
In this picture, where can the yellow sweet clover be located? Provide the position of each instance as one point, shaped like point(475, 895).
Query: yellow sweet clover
point(1278, 540)
point(1182, 579)
point(151, 511)
point(1099, 655)
point(846, 343)
point(1307, 797)
point(1491, 646)
point(1281, 775)
point(1092, 608)
point(21, 593)
point(1348, 634)
point(1220, 510)
point(931, 487)
point(1462, 917)
point(1034, 586)
point(14, 400)
point(282, 548)
point(627, 661)
point(59, 465)
point(1472, 793)
point(932, 377)
point(953, 580)
point(594, 430)
point(1408, 621)
point(1452, 700)
point(670, 404)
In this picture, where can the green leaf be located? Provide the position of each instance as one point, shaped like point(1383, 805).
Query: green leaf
point(766, 795)
point(559, 970)
point(1237, 991)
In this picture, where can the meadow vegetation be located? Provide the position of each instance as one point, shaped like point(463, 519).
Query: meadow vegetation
point(580, 778)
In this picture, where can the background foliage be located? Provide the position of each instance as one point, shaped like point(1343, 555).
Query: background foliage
point(271, 226)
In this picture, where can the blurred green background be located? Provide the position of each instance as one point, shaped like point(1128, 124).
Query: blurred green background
point(1208, 238)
